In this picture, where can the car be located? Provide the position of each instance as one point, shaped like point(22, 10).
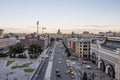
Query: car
point(84, 62)
point(59, 62)
point(88, 67)
point(58, 74)
point(57, 70)
point(68, 71)
point(72, 73)
point(50, 51)
point(73, 76)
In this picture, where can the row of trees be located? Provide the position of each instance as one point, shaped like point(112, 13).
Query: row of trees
point(34, 50)
point(16, 49)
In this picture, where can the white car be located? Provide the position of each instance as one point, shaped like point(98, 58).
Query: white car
point(59, 62)
point(88, 67)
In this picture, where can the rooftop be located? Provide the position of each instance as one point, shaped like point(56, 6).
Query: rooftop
point(85, 40)
point(111, 44)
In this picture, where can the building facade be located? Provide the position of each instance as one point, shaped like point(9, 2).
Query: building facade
point(1, 33)
point(83, 48)
point(106, 54)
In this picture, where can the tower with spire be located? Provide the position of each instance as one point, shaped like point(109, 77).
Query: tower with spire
point(59, 32)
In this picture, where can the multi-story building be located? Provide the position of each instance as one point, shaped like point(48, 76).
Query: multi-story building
point(72, 43)
point(6, 41)
point(1, 33)
point(83, 48)
point(106, 54)
point(32, 39)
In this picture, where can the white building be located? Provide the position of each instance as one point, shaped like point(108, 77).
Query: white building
point(6, 41)
point(106, 54)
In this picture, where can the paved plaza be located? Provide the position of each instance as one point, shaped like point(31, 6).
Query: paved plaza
point(11, 72)
point(81, 66)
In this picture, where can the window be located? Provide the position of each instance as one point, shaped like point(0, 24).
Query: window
point(85, 46)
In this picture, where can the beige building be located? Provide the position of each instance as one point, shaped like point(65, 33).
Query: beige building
point(83, 48)
point(106, 54)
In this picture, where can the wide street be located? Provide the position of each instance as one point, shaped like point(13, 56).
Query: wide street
point(59, 56)
point(41, 73)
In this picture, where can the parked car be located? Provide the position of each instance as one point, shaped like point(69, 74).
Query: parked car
point(57, 70)
point(88, 67)
point(58, 74)
point(69, 70)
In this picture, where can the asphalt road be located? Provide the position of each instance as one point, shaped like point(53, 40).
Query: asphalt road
point(61, 66)
point(41, 74)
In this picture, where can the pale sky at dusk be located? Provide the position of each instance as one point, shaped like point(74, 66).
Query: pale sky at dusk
point(68, 15)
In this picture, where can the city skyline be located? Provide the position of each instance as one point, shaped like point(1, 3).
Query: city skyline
point(78, 15)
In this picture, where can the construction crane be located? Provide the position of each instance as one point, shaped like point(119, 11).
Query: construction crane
point(43, 30)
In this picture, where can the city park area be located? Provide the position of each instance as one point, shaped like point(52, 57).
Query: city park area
point(20, 63)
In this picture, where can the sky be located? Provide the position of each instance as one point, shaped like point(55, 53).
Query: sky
point(21, 16)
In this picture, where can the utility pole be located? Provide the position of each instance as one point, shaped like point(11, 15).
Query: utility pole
point(37, 27)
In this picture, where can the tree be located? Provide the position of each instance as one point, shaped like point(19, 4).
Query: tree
point(84, 76)
point(68, 53)
point(57, 39)
point(35, 48)
point(52, 39)
point(19, 48)
point(15, 49)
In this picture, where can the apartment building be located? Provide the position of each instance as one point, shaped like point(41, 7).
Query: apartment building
point(83, 48)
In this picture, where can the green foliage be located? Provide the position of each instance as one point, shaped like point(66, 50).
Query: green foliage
point(22, 56)
point(52, 39)
point(29, 70)
point(22, 66)
point(84, 76)
point(68, 52)
point(17, 48)
point(35, 48)
point(57, 39)
point(9, 62)
point(34, 56)
point(3, 55)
